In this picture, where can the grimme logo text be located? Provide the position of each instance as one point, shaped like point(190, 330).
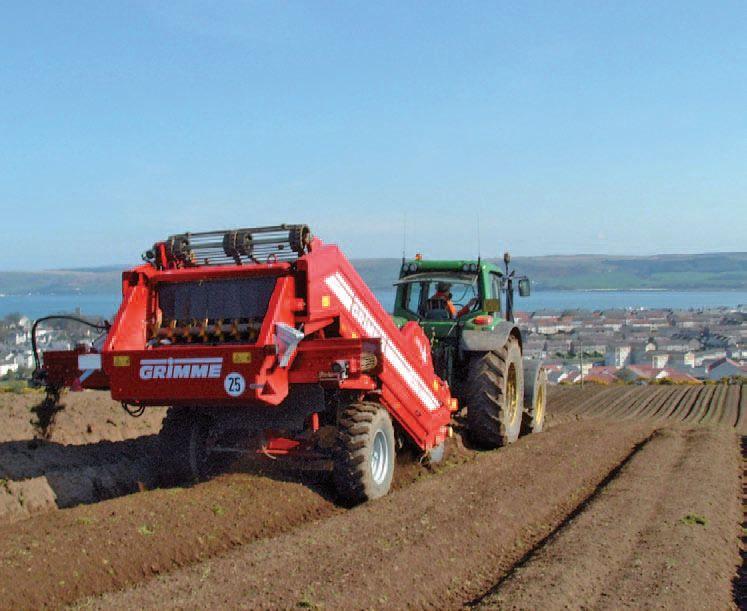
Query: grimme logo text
point(167, 369)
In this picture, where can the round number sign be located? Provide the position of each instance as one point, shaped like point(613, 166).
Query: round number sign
point(234, 384)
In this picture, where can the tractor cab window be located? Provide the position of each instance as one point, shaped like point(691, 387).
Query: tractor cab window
point(413, 297)
point(495, 286)
point(440, 297)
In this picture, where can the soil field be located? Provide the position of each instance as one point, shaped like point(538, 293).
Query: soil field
point(719, 405)
point(95, 451)
point(631, 498)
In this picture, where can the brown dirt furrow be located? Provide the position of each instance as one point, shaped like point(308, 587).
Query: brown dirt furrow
point(562, 404)
point(666, 398)
point(667, 409)
point(89, 549)
point(43, 476)
point(613, 398)
point(731, 406)
point(632, 402)
point(687, 405)
point(96, 451)
point(643, 403)
point(739, 588)
point(87, 417)
point(561, 397)
point(589, 401)
point(624, 398)
point(639, 542)
point(715, 408)
point(644, 408)
point(741, 424)
point(665, 412)
point(701, 405)
point(597, 399)
point(592, 399)
point(437, 543)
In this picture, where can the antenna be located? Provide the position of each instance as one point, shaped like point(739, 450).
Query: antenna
point(479, 251)
point(404, 236)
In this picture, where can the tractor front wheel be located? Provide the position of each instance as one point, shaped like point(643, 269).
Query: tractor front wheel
point(494, 393)
point(365, 452)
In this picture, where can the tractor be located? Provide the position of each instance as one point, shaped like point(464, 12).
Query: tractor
point(465, 309)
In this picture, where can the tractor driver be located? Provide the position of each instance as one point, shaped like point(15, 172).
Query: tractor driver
point(443, 296)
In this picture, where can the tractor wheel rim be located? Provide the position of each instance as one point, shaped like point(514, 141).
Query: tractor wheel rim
point(511, 395)
point(379, 457)
point(540, 410)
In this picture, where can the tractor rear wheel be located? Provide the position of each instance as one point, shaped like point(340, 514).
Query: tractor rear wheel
point(494, 392)
point(365, 452)
point(535, 397)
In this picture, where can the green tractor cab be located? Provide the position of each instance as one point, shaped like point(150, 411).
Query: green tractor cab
point(466, 310)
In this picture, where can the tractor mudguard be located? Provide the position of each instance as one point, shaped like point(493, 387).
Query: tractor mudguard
point(486, 341)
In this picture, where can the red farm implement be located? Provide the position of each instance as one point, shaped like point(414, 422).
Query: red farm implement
point(265, 340)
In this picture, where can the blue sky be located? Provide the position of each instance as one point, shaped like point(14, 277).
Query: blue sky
point(563, 127)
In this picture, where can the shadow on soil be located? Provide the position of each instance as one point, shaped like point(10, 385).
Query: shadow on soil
point(66, 475)
point(78, 474)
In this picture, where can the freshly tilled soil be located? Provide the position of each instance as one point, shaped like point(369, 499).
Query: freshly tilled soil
point(89, 549)
point(710, 405)
point(661, 534)
point(465, 536)
point(95, 452)
point(437, 543)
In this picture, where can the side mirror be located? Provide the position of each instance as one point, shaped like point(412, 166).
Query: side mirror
point(492, 305)
point(525, 287)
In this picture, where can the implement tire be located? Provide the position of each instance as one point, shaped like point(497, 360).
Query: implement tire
point(494, 392)
point(183, 446)
point(535, 397)
point(365, 452)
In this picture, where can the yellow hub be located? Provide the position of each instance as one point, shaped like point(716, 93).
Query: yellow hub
point(539, 408)
point(512, 395)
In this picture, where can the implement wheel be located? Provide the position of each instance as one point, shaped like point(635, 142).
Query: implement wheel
point(184, 446)
point(365, 452)
point(535, 397)
point(494, 393)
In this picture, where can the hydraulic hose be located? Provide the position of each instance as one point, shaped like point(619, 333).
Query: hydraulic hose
point(100, 326)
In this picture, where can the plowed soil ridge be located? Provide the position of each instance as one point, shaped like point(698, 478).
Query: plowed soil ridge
point(740, 580)
point(493, 594)
point(192, 546)
point(675, 550)
point(442, 540)
point(710, 405)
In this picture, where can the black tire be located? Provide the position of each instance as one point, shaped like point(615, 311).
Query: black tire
point(493, 392)
point(183, 446)
point(365, 430)
point(535, 397)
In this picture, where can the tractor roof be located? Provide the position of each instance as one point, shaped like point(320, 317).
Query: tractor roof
point(447, 265)
point(439, 276)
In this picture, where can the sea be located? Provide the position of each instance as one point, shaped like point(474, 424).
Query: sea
point(106, 305)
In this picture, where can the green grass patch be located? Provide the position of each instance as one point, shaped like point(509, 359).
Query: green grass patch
point(691, 519)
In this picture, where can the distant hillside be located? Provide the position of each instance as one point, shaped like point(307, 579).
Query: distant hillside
point(702, 271)
point(720, 271)
point(60, 282)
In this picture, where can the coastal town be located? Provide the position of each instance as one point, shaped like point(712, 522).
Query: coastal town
point(577, 346)
point(638, 345)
